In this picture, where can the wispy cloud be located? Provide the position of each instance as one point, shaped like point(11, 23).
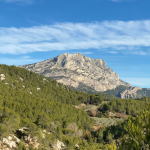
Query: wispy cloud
point(25, 57)
point(13, 0)
point(23, 1)
point(141, 82)
point(86, 53)
point(18, 61)
point(120, 0)
point(128, 37)
point(116, 0)
point(113, 52)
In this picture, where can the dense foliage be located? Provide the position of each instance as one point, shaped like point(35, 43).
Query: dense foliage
point(117, 90)
point(126, 106)
point(144, 92)
point(137, 135)
point(37, 103)
point(49, 89)
point(83, 87)
point(21, 94)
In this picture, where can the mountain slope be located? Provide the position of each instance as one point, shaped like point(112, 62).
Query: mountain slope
point(75, 70)
point(28, 100)
point(23, 89)
point(37, 113)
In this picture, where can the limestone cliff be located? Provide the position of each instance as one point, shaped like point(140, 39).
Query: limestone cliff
point(131, 93)
point(73, 69)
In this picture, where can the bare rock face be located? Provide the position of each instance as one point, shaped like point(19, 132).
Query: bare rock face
point(131, 93)
point(2, 77)
point(73, 69)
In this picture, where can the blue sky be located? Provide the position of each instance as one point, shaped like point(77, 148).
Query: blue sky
point(117, 31)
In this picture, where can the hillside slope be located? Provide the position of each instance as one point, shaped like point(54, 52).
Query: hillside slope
point(37, 113)
point(21, 90)
point(28, 100)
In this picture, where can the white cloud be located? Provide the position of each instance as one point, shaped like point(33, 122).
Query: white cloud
point(26, 57)
point(115, 0)
point(141, 82)
point(18, 61)
point(30, 1)
point(86, 53)
point(120, 0)
point(13, 0)
point(24, 1)
point(122, 36)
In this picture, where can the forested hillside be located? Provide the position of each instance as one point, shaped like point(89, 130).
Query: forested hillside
point(117, 90)
point(40, 113)
point(37, 85)
point(32, 101)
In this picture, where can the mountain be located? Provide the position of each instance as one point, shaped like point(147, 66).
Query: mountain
point(85, 74)
point(78, 71)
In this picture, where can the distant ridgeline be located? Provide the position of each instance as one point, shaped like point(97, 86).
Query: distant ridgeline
point(129, 92)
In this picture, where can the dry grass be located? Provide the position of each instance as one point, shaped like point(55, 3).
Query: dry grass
point(97, 127)
point(106, 121)
point(87, 108)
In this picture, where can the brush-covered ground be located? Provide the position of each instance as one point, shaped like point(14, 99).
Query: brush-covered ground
point(39, 113)
point(36, 112)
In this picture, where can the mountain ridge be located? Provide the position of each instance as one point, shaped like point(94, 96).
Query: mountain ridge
point(72, 69)
point(86, 74)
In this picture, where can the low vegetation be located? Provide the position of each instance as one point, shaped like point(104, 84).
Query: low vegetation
point(126, 106)
point(51, 112)
point(40, 104)
point(105, 122)
point(116, 92)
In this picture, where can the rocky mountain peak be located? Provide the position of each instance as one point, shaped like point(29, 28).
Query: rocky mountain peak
point(66, 60)
point(74, 69)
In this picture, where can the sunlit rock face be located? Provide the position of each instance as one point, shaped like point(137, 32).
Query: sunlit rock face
point(72, 69)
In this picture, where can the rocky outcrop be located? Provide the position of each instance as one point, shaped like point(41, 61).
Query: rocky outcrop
point(128, 92)
point(73, 69)
point(135, 92)
point(131, 93)
point(9, 143)
point(58, 145)
point(2, 77)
